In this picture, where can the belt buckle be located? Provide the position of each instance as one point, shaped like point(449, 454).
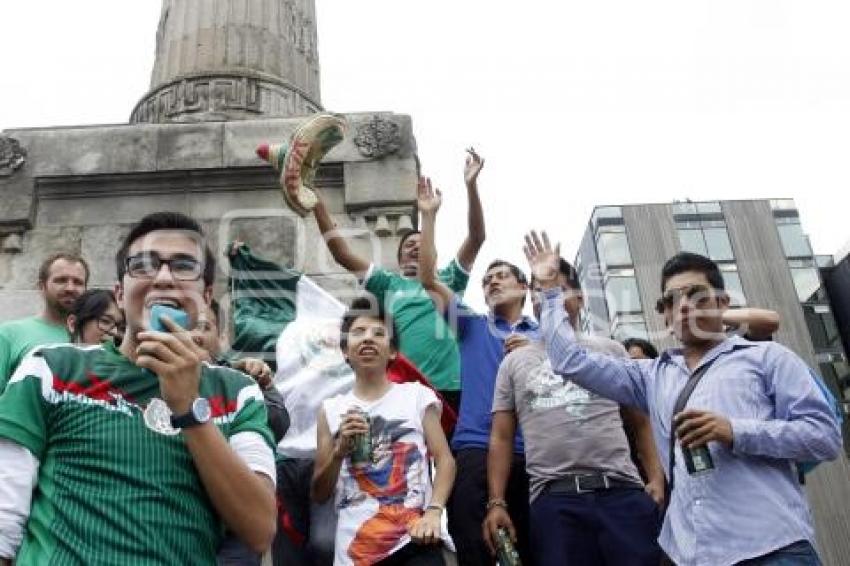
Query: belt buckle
point(605, 482)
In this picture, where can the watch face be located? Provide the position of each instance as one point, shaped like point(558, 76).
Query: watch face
point(201, 410)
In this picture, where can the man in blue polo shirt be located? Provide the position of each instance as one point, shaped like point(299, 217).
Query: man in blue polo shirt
point(481, 339)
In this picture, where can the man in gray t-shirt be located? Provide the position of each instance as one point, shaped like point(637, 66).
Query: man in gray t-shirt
point(588, 504)
point(569, 429)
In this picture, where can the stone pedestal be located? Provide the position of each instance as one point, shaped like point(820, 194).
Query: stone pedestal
point(80, 188)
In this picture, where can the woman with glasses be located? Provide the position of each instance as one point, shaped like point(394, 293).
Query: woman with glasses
point(95, 317)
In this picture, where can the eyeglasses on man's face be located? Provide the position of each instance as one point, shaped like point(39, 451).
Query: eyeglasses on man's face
point(698, 295)
point(146, 265)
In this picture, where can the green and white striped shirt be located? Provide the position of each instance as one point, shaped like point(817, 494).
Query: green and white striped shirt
point(113, 487)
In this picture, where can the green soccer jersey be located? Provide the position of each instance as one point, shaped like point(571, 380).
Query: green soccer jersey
point(17, 337)
point(116, 484)
point(424, 336)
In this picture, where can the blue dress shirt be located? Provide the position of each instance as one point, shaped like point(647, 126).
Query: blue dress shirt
point(751, 503)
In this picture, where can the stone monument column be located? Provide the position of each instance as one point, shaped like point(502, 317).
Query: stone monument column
point(220, 60)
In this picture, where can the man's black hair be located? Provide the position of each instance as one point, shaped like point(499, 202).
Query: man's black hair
point(165, 221)
point(686, 261)
point(366, 306)
point(402, 241)
point(645, 345)
point(569, 272)
point(516, 271)
point(91, 305)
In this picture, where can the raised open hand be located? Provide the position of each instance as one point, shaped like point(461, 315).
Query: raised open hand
point(428, 198)
point(543, 260)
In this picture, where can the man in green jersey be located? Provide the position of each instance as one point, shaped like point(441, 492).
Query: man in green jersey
point(140, 454)
point(62, 278)
point(424, 336)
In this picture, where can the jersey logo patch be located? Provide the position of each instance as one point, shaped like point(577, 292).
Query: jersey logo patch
point(158, 418)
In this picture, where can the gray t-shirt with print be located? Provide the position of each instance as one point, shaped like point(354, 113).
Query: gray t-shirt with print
point(566, 428)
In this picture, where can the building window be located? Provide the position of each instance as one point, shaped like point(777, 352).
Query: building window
point(783, 204)
point(692, 241)
point(794, 241)
point(824, 261)
point(622, 296)
point(629, 325)
point(711, 242)
point(822, 326)
point(702, 230)
point(624, 331)
point(718, 244)
point(734, 287)
point(607, 215)
point(696, 211)
point(807, 283)
point(709, 208)
point(614, 250)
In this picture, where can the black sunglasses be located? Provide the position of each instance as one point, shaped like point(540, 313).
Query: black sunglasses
point(696, 294)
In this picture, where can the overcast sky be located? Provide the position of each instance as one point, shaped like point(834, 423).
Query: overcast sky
point(573, 104)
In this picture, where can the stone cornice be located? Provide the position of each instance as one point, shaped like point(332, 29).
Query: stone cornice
point(63, 187)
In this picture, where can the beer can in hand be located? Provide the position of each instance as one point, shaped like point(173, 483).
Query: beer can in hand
point(698, 460)
point(505, 549)
point(362, 451)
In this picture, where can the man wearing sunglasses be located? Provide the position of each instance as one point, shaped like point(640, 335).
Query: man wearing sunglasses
point(139, 450)
point(754, 407)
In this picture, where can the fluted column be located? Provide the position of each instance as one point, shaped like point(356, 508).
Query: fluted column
point(233, 59)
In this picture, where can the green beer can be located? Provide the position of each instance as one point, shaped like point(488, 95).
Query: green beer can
point(362, 452)
point(505, 550)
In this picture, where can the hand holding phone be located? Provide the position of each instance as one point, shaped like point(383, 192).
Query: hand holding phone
point(172, 356)
point(177, 315)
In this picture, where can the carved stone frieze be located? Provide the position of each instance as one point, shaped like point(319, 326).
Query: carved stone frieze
point(220, 97)
point(378, 137)
point(12, 155)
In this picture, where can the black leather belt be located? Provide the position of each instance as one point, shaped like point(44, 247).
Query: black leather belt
point(588, 483)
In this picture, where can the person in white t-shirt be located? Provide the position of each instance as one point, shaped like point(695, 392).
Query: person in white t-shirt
point(389, 511)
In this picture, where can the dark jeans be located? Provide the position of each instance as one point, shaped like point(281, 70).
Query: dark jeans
point(305, 530)
point(413, 554)
point(617, 527)
point(467, 506)
point(800, 553)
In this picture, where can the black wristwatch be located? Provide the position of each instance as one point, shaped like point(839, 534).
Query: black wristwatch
point(199, 413)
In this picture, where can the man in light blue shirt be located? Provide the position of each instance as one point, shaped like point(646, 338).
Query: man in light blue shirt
point(756, 408)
